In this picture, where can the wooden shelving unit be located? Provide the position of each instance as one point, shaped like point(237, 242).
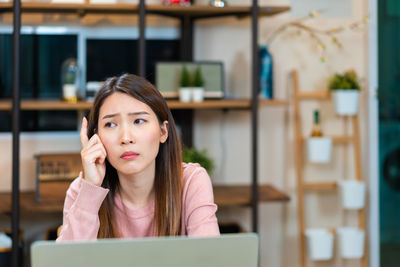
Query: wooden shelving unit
point(306, 187)
point(314, 95)
point(223, 196)
point(320, 186)
point(194, 11)
point(338, 139)
point(173, 104)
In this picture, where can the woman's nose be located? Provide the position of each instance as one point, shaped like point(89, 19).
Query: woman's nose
point(125, 141)
point(126, 136)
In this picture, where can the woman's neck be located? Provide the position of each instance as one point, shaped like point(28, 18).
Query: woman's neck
point(137, 191)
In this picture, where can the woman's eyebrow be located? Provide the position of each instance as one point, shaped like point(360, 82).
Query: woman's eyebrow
point(129, 114)
point(138, 113)
point(110, 116)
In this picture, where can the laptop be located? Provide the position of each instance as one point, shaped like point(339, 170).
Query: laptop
point(229, 250)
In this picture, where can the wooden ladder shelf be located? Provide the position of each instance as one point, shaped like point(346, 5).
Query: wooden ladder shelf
point(304, 187)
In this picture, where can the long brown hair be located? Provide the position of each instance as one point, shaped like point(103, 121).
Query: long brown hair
point(168, 173)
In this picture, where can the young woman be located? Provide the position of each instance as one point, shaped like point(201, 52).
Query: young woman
point(134, 183)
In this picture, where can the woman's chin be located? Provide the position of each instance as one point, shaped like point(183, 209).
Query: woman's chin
point(127, 171)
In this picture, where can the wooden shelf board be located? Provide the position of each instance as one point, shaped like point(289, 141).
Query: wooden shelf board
point(318, 95)
point(273, 102)
point(46, 105)
point(41, 7)
point(173, 10)
point(223, 195)
point(210, 104)
point(342, 139)
point(273, 10)
point(320, 186)
point(330, 229)
point(337, 139)
point(233, 195)
point(173, 104)
point(27, 203)
point(209, 11)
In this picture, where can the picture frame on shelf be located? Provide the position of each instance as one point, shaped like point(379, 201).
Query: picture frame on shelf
point(168, 76)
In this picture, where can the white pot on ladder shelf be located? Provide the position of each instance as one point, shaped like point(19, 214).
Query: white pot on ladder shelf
point(319, 148)
point(345, 90)
point(319, 244)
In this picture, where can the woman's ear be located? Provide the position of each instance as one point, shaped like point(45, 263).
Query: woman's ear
point(164, 132)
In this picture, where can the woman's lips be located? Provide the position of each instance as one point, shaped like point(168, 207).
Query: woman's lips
point(129, 155)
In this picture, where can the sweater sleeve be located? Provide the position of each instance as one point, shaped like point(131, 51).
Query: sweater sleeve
point(199, 207)
point(81, 207)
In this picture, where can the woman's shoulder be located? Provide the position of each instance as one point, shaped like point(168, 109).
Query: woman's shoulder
point(193, 173)
point(189, 169)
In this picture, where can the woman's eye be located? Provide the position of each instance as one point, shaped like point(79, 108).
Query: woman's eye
point(139, 121)
point(109, 124)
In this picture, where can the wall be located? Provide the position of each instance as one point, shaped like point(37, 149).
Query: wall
point(226, 134)
point(229, 40)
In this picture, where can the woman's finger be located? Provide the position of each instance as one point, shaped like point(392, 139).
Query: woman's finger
point(95, 139)
point(97, 155)
point(83, 134)
point(94, 148)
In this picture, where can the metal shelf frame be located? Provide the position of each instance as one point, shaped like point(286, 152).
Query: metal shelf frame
point(187, 18)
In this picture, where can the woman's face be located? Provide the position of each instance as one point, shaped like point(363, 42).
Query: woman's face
point(130, 133)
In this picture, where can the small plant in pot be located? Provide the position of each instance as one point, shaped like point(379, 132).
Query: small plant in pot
point(198, 86)
point(198, 156)
point(185, 91)
point(319, 148)
point(345, 90)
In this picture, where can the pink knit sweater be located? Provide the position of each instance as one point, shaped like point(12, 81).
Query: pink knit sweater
point(83, 201)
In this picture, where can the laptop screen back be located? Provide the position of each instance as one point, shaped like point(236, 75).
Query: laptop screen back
point(232, 250)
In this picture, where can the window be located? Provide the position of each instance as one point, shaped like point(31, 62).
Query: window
point(41, 60)
point(42, 56)
point(107, 57)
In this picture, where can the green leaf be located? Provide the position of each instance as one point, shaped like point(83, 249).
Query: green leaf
point(347, 80)
point(198, 156)
point(198, 78)
point(185, 77)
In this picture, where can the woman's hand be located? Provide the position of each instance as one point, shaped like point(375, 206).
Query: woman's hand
point(93, 155)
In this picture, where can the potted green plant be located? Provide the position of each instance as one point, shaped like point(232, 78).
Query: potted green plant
point(345, 90)
point(70, 80)
point(198, 85)
point(198, 156)
point(185, 91)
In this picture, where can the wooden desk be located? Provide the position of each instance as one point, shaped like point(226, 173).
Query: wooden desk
point(230, 195)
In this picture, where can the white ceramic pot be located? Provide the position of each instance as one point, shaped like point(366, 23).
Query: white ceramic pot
point(352, 194)
point(69, 92)
point(185, 94)
point(319, 149)
point(351, 242)
point(319, 244)
point(197, 94)
point(346, 101)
